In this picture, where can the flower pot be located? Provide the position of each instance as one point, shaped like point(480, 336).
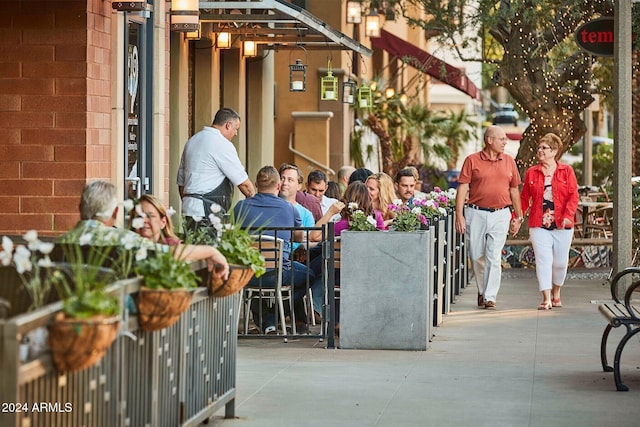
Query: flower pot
point(77, 344)
point(239, 276)
point(161, 308)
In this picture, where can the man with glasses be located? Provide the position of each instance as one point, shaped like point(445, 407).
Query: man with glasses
point(490, 179)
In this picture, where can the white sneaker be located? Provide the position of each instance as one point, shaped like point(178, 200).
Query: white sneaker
point(270, 330)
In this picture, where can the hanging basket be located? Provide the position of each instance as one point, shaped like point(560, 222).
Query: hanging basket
point(161, 308)
point(77, 344)
point(239, 276)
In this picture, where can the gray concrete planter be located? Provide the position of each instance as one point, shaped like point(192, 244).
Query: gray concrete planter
point(386, 290)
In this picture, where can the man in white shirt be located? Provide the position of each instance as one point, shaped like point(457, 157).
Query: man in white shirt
point(316, 186)
point(210, 167)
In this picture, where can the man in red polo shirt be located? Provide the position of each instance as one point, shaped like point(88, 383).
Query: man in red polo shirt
point(490, 179)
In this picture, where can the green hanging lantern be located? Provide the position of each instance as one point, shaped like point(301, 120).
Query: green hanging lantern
point(329, 86)
point(365, 96)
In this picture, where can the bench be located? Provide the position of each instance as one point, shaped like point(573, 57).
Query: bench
point(622, 312)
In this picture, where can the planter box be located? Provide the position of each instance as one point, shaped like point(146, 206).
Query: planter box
point(386, 290)
point(178, 376)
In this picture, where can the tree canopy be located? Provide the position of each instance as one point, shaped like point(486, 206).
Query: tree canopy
point(528, 47)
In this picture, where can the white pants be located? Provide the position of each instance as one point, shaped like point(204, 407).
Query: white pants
point(551, 249)
point(486, 233)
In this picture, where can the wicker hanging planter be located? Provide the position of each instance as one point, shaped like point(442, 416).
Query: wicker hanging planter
point(77, 344)
point(239, 276)
point(161, 308)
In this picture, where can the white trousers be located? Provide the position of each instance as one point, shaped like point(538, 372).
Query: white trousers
point(486, 233)
point(551, 249)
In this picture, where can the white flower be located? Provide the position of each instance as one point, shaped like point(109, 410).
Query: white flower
point(430, 204)
point(45, 248)
point(31, 236)
point(5, 258)
point(443, 211)
point(129, 204)
point(416, 210)
point(85, 239)
point(397, 202)
point(197, 218)
point(228, 226)
point(7, 244)
point(170, 211)
point(22, 259)
point(139, 211)
point(141, 253)
point(353, 206)
point(45, 262)
point(215, 208)
point(371, 220)
point(128, 241)
point(137, 223)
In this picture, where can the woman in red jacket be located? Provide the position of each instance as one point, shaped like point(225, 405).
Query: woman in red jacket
point(550, 189)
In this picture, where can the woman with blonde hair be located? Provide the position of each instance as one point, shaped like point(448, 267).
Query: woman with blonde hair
point(382, 192)
point(157, 222)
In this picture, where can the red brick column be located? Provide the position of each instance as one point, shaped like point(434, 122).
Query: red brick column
point(55, 59)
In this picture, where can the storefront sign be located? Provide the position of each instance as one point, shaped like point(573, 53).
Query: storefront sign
point(596, 37)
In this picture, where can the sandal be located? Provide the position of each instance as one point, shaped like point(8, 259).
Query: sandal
point(545, 306)
point(556, 303)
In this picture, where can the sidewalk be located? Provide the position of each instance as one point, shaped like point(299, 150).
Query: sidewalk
point(515, 366)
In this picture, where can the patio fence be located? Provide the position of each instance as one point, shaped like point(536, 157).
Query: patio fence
point(178, 376)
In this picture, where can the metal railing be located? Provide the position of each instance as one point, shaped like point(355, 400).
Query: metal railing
point(178, 376)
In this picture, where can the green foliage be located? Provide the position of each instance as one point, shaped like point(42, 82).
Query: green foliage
point(407, 218)
point(163, 270)
point(602, 165)
point(358, 221)
point(230, 238)
point(82, 281)
point(237, 245)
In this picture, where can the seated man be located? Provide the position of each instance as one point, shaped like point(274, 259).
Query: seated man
point(317, 186)
point(98, 215)
point(405, 183)
point(266, 209)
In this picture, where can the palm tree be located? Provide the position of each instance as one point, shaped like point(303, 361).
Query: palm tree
point(456, 130)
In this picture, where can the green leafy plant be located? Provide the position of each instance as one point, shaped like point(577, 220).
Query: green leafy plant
point(407, 218)
point(233, 241)
point(82, 281)
point(33, 265)
point(163, 270)
point(358, 221)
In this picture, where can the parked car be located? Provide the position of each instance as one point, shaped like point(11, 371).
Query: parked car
point(506, 114)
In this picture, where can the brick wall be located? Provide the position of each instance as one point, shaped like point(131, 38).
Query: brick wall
point(55, 104)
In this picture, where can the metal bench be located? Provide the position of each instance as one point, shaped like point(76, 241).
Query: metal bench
point(623, 312)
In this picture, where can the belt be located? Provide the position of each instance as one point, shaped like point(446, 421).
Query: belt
point(487, 209)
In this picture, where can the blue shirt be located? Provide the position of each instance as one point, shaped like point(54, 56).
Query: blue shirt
point(269, 210)
point(307, 220)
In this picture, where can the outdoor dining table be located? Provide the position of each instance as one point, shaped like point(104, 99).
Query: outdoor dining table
point(588, 205)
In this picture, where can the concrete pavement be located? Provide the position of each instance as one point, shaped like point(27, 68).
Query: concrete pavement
point(515, 366)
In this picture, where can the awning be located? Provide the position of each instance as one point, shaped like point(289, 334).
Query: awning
point(276, 24)
point(425, 62)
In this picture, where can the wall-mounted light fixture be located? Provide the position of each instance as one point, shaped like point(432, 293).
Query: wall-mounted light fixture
point(354, 12)
point(349, 92)
point(372, 23)
point(185, 15)
point(365, 96)
point(249, 49)
point(329, 85)
point(223, 40)
point(129, 6)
